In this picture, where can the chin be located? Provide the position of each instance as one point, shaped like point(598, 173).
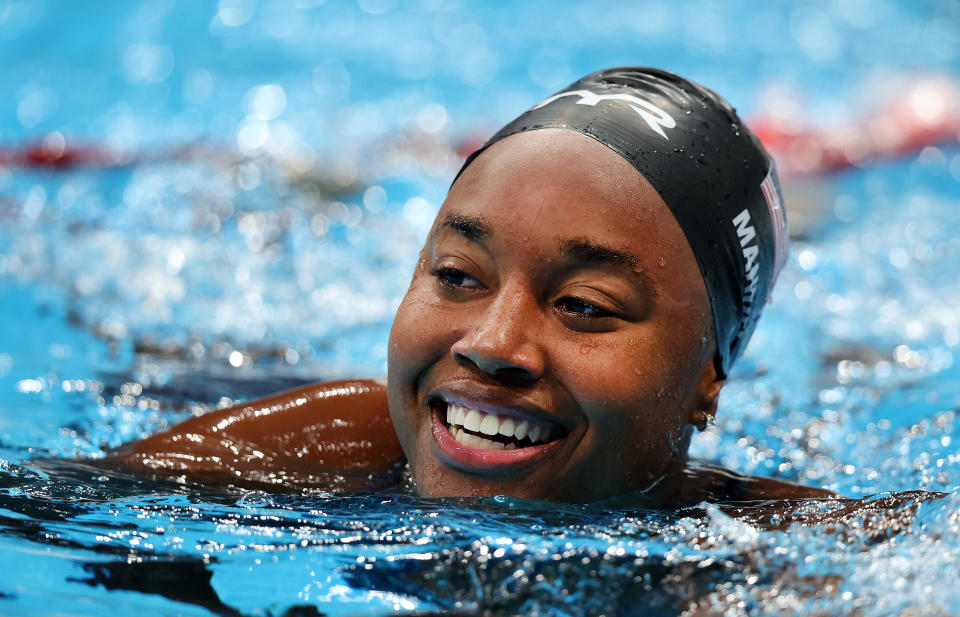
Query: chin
point(435, 479)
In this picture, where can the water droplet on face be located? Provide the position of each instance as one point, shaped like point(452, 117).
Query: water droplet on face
point(662, 262)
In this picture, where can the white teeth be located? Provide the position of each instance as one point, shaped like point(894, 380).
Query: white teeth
point(462, 419)
point(490, 425)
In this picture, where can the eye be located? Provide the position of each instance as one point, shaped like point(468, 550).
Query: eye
point(582, 309)
point(451, 277)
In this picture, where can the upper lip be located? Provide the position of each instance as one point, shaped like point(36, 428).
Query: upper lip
point(492, 400)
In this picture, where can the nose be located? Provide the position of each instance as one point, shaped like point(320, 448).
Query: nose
point(500, 344)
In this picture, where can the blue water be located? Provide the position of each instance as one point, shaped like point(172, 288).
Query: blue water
point(278, 166)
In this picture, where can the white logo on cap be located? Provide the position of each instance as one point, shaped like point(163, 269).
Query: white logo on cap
point(656, 118)
point(751, 262)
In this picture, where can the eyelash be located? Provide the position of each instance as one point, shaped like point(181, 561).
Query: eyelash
point(600, 313)
point(445, 274)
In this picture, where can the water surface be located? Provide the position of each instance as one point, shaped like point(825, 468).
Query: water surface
point(255, 182)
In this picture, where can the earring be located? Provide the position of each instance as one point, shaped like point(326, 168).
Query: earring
point(704, 421)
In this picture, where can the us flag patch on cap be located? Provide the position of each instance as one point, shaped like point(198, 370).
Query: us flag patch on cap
point(778, 220)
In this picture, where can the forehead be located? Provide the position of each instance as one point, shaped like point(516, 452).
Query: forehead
point(550, 185)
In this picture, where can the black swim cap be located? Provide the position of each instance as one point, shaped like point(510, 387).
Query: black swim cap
point(711, 171)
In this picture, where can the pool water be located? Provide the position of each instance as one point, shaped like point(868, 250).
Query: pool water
point(252, 183)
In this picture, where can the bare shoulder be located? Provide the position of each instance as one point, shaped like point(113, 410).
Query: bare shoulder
point(758, 488)
point(694, 483)
point(304, 436)
point(776, 504)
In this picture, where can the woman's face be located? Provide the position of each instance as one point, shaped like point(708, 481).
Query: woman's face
point(556, 341)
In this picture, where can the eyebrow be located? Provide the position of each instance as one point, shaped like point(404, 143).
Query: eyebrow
point(587, 252)
point(580, 249)
point(469, 227)
point(584, 250)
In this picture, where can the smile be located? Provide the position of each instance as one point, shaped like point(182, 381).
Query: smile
point(489, 431)
point(495, 439)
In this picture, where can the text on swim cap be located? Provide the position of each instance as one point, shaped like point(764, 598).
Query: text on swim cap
point(656, 118)
point(747, 234)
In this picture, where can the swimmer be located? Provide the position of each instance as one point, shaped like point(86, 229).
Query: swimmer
point(594, 272)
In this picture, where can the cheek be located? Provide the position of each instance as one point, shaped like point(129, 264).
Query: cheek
point(401, 350)
point(625, 381)
point(634, 399)
point(406, 359)
point(626, 365)
point(414, 329)
point(421, 335)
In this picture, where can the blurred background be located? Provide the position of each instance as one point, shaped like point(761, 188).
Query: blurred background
point(204, 201)
point(201, 202)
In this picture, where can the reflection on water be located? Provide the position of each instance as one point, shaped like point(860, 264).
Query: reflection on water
point(231, 553)
point(215, 202)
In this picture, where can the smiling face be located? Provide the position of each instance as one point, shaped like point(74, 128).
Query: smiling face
point(556, 341)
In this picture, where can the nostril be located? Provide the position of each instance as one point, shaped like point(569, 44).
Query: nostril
point(504, 354)
point(517, 371)
point(464, 360)
point(514, 374)
point(514, 380)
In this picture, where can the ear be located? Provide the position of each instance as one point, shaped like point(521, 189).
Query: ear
point(708, 395)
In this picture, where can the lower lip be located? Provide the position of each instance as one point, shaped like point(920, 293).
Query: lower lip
point(477, 459)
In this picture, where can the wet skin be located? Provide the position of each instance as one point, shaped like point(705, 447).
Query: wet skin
point(332, 436)
point(556, 286)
